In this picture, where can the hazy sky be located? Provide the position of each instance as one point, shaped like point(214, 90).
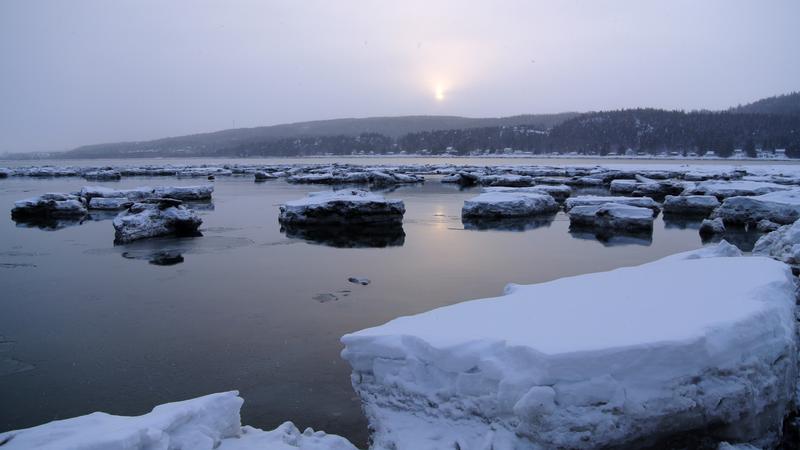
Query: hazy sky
point(79, 72)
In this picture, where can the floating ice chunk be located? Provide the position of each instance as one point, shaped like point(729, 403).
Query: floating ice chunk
point(185, 193)
point(109, 203)
point(701, 205)
point(351, 206)
point(560, 192)
point(612, 216)
point(135, 194)
point(593, 361)
point(103, 174)
point(736, 188)
point(509, 204)
point(53, 205)
point(155, 217)
point(509, 180)
point(643, 202)
point(781, 207)
point(712, 227)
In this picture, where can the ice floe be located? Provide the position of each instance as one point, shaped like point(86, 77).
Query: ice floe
point(509, 204)
point(347, 206)
point(782, 207)
point(155, 217)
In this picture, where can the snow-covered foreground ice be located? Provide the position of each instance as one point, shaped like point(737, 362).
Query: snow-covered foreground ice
point(204, 423)
point(625, 357)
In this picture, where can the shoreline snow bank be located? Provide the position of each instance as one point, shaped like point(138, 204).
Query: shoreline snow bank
point(203, 423)
point(589, 361)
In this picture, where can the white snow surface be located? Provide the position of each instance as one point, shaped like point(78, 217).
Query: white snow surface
point(204, 423)
point(608, 358)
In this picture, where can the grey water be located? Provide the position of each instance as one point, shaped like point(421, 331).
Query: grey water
point(86, 325)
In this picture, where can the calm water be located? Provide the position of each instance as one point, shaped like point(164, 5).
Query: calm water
point(92, 326)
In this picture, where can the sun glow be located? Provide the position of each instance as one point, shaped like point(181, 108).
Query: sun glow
point(438, 92)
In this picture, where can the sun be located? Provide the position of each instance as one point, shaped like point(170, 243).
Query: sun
point(438, 92)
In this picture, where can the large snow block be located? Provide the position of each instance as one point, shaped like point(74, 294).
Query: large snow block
point(621, 358)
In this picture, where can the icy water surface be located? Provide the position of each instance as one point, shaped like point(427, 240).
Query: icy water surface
point(87, 326)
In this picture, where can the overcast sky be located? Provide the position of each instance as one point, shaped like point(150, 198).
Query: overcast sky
point(82, 71)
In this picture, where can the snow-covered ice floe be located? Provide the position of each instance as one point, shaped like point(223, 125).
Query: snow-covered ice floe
point(347, 206)
point(211, 422)
point(185, 193)
point(559, 192)
point(155, 217)
point(53, 205)
point(781, 207)
point(594, 200)
point(612, 216)
point(509, 204)
point(736, 188)
point(696, 205)
point(620, 358)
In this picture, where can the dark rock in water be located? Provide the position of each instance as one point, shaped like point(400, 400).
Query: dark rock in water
point(325, 298)
point(166, 258)
point(507, 223)
point(359, 280)
point(348, 236)
point(155, 217)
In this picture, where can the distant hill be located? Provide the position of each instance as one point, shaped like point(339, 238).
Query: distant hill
point(769, 123)
point(238, 141)
point(780, 104)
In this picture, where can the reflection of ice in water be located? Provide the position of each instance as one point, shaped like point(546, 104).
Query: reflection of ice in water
point(507, 223)
point(167, 251)
point(343, 236)
point(611, 238)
